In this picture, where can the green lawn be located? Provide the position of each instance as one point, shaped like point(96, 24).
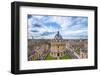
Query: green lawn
point(52, 58)
point(66, 57)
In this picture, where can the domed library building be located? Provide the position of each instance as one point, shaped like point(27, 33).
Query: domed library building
point(57, 46)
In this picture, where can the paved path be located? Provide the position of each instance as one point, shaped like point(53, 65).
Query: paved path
point(72, 53)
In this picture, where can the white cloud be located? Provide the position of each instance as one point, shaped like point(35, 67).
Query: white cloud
point(70, 26)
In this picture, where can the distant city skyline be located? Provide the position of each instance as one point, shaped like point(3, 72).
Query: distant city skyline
point(45, 27)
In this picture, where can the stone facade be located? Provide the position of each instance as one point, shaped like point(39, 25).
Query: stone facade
point(57, 46)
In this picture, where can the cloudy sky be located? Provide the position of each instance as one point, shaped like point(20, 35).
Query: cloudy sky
point(45, 27)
